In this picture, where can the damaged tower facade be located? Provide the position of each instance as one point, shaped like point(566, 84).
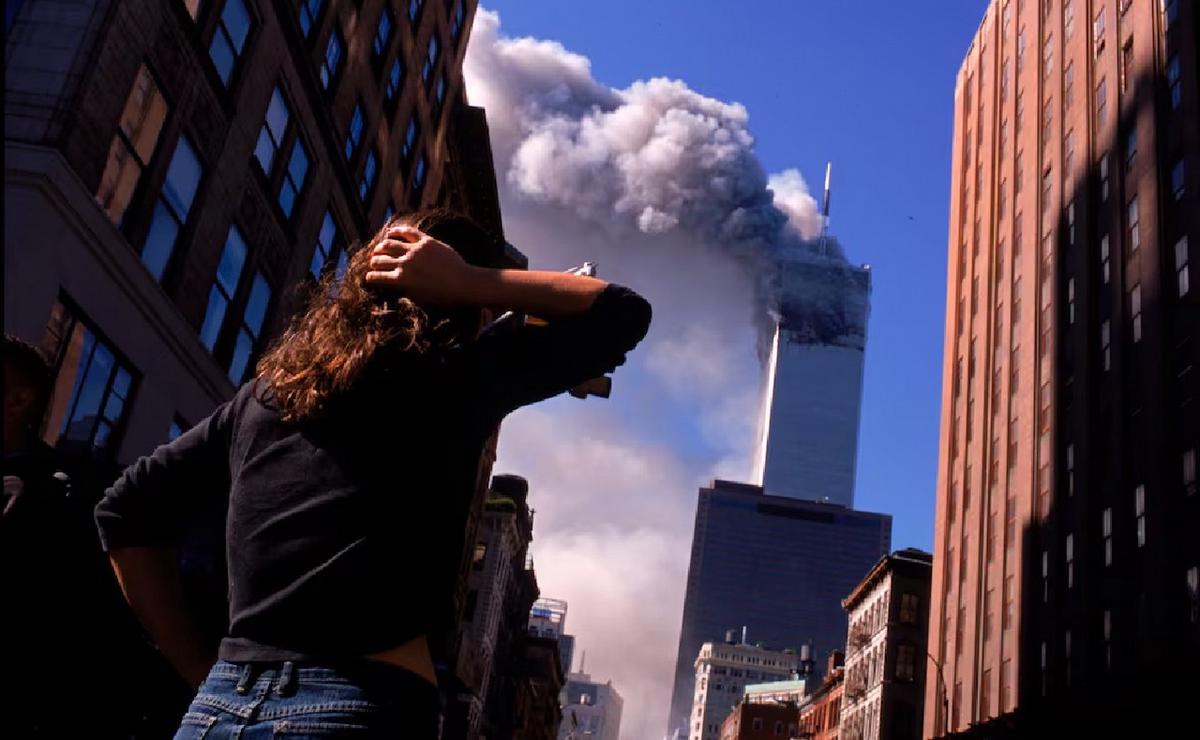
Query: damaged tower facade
point(808, 438)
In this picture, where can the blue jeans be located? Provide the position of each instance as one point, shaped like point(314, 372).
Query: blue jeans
point(256, 701)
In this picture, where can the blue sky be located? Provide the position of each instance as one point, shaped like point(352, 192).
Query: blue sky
point(868, 86)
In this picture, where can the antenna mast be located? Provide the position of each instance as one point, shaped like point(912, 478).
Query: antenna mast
point(825, 210)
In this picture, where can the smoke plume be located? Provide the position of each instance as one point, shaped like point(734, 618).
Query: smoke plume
point(659, 185)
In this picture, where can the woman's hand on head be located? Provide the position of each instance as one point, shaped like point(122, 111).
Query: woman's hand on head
point(422, 268)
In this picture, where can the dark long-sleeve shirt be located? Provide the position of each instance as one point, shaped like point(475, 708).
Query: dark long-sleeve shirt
point(344, 534)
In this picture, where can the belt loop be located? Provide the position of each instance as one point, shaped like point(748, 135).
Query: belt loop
point(243, 684)
point(287, 679)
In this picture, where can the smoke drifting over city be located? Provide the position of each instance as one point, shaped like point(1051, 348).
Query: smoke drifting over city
point(659, 185)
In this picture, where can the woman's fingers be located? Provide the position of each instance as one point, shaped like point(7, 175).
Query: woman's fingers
point(390, 277)
point(404, 232)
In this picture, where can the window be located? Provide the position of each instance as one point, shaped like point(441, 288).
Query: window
point(395, 82)
point(294, 178)
point(1104, 176)
point(1020, 113)
point(92, 387)
point(1068, 158)
point(909, 603)
point(329, 246)
point(1139, 510)
point(1047, 121)
point(229, 273)
point(1107, 531)
point(1068, 19)
point(1181, 266)
point(133, 145)
point(1106, 343)
point(1070, 454)
point(1045, 577)
point(479, 556)
point(410, 139)
point(332, 63)
point(1101, 99)
point(1070, 553)
point(354, 133)
point(172, 208)
point(1047, 57)
point(383, 34)
point(1104, 258)
point(1193, 592)
point(1098, 33)
point(1021, 49)
point(414, 9)
point(456, 21)
point(1130, 149)
point(1070, 300)
point(229, 40)
point(431, 59)
point(1068, 84)
point(1047, 185)
point(250, 328)
point(270, 137)
point(367, 182)
point(310, 11)
point(1135, 311)
point(1126, 70)
point(1173, 81)
point(906, 663)
point(1135, 234)
point(1009, 600)
point(1177, 187)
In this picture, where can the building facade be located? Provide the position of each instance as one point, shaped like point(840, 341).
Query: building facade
point(548, 618)
point(721, 672)
point(760, 721)
point(886, 650)
point(808, 443)
point(780, 566)
point(820, 714)
point(1065, 569)
point(501, 589)
point(591, 710)
point(789, 691)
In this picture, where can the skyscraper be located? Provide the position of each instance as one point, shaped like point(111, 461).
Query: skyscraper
point(778, 566)
point(808, 443)
point(1065, 562)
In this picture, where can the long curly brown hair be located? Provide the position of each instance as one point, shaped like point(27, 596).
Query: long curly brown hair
point(328, 346)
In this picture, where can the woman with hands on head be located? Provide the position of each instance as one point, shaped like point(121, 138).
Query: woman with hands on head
point(349, 464)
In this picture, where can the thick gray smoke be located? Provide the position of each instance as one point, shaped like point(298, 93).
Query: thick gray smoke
point(660, 185)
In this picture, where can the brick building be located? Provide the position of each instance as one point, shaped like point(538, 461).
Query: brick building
point(821, 712)
point(761, 721)
point(1065, 570)
point(179, 171)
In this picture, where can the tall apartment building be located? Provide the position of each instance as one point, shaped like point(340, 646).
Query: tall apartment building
point(175, 170)
point(885, 649)
point(721, 672)
point(777, 565)
point(1065, 550)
